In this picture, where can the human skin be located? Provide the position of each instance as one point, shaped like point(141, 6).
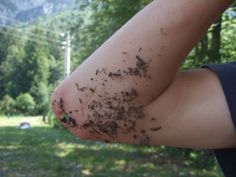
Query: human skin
point(130, 90)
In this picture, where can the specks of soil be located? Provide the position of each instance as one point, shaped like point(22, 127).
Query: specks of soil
point(144, 140)
point(135, 136)
point(87, 124)
point(109, 114)
point(153, 119)
point(163, 32)
point(100, 71)
point(140, 63)
point(139, 70)
point(142, 66)
point(67, 119)
point(92, 90)
point(143, 131)
point(60, 103)
point(80, 88)
point(155, 128)
point(114, 75)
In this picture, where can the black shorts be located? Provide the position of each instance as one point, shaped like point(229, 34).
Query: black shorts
point(227, 76)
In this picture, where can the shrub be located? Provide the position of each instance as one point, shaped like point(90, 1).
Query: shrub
point(53, 121)
point(25, 104)
point(40, 93)
point(7, 105)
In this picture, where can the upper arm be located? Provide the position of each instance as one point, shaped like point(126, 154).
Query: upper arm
point(192, 112)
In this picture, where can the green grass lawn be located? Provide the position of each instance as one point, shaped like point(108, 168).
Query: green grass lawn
point(42, 151)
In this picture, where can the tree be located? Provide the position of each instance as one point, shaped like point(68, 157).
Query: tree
point(218, 45)
point(35, 67)
point(32, 72)
point(7, 106)
point(4, 42)
point(40, 92)
point(29, 64)
point(216, 41)
point(25, 104)
point(11, 63)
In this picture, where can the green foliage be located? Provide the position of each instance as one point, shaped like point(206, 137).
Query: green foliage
point(218, 45)
point(40, 94)
point(35, 67)
point(196, 158)
point(25, 104)
point(3, 45)
point(11, 64)
point(228, 38)
point(55, 70)
point(29, 66)
point(7, 105)
point(53, 121)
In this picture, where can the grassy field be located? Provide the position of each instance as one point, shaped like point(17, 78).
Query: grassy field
point(42, 151)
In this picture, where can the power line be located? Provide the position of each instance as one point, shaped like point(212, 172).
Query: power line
point(45, 37)
point(30, 34)
point(20, 35)
point(17, 21)
point(43, 29)
point(67, 54)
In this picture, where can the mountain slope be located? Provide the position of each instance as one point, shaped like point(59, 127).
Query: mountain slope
point(28, 10)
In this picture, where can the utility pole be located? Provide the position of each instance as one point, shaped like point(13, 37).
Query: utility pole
point(67, 55)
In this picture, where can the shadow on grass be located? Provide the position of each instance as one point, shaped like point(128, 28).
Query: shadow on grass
point(42, 151)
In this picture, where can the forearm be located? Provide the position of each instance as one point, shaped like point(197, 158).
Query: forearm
point(163, 34)
point(135, 65)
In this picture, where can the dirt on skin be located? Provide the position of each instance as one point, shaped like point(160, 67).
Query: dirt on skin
point(108, 114)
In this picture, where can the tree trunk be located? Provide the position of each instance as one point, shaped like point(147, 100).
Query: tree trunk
point(201, 51)
point(216, 41)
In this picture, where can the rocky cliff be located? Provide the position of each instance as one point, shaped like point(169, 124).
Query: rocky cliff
point(12, 11)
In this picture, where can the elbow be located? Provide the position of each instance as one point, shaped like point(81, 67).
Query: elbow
point(95, 113)
point(69, 113)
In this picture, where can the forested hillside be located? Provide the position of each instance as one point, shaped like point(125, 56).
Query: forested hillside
point(28, 10)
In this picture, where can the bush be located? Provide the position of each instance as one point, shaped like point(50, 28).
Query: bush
point(40, 93)
point(7, 105)
point(25, 104)
point(53, 121)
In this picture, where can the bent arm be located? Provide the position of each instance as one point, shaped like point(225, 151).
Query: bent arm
point(106, 97)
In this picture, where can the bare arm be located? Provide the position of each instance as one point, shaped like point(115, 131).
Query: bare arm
point(116, 93)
